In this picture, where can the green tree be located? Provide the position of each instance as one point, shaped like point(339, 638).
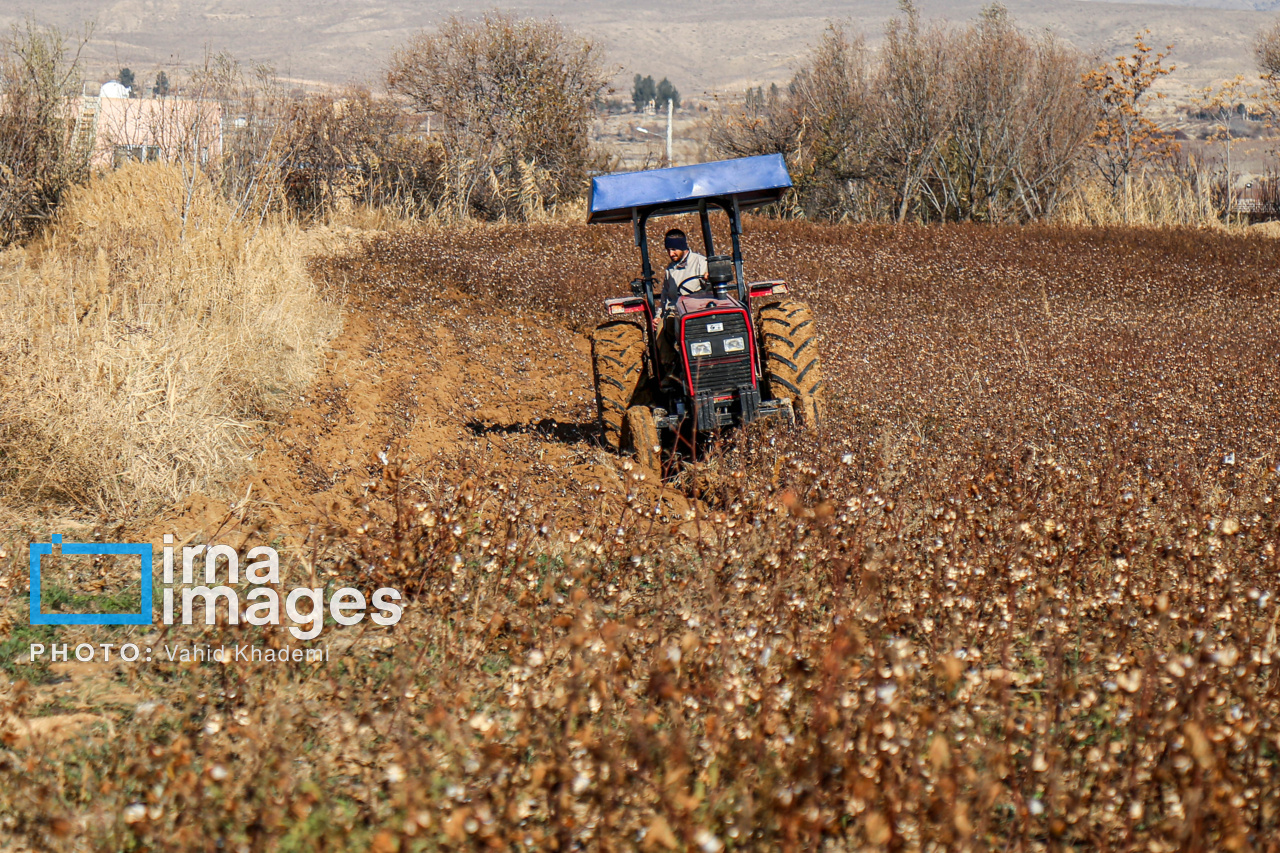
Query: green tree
point(126, 79)
point(161, 88)
point(643, 92)
point(667, 92)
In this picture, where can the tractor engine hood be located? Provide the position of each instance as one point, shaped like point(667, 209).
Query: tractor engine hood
point(700, 304)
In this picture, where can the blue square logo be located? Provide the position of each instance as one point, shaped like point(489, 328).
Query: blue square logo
point(141, 549)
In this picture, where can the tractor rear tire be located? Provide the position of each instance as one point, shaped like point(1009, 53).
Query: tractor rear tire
point(617, 356)
point(789, 341)
point(640, 436)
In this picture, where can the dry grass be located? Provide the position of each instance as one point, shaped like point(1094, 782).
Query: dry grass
point(1158, 197)
point(140, 339)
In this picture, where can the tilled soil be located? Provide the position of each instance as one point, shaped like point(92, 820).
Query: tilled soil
point(465, 353)
point(450, 386)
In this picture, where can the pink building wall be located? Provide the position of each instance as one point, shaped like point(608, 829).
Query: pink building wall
point(153, 129)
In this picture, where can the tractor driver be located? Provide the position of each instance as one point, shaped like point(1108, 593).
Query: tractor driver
point(686, 274)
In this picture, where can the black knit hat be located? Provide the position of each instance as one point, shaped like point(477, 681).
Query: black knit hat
point(676, 240)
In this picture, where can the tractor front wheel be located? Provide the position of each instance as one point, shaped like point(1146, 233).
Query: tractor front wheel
point(789, 341)
point(617, 356)
point(640, 436)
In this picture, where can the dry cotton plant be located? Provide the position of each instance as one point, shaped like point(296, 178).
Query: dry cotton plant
point(1019, 593)
point(141, 337)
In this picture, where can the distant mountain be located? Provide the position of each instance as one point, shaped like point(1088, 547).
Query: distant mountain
point(1238, 5)
point(707, 46)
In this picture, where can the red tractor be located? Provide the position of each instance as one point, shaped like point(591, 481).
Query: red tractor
point(734, 365)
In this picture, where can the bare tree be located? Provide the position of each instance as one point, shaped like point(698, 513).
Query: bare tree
point(1267, 51)
point(982, 123)
point(917, 112)
point(512, 101)
point(992, 60)
point(1056, 123)
point(834, 98)
point(825, 125)
point(1224, 103)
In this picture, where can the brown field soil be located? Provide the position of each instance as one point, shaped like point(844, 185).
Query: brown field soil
point(1019, 590)
point(449, 384)
point(468, 353)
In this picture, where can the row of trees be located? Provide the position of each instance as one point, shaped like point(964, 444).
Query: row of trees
point(129, 80)
point(981, 122)
point(509, 101)
point(644, 92)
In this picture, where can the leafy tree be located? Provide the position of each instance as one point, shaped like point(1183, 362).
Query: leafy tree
point(161, 88)
point(667, 92)
point(643, 92)
point(1125, 137)
point(126, 79)
point(1222, 103)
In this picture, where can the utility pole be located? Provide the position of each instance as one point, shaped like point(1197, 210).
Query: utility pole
point(670, 162)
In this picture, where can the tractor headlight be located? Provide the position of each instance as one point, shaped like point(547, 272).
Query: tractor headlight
point(700, 348)
point(734, 345)
point(715, 327)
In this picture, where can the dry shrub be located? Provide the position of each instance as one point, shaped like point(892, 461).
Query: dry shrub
point(255, 108)
point(140, 339)
point(980, 124)
point(513, 101)
point(350, 152)
point(41, 156)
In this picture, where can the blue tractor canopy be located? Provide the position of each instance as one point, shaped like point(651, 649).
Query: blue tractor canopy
point(730, 185)
point(747, 182)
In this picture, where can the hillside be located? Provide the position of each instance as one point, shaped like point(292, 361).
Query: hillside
point(708, 47)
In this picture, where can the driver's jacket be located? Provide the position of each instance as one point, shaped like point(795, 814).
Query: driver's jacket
point(688, 276)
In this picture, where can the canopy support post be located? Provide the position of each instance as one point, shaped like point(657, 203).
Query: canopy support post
point(706, 228)
point(735, 231)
